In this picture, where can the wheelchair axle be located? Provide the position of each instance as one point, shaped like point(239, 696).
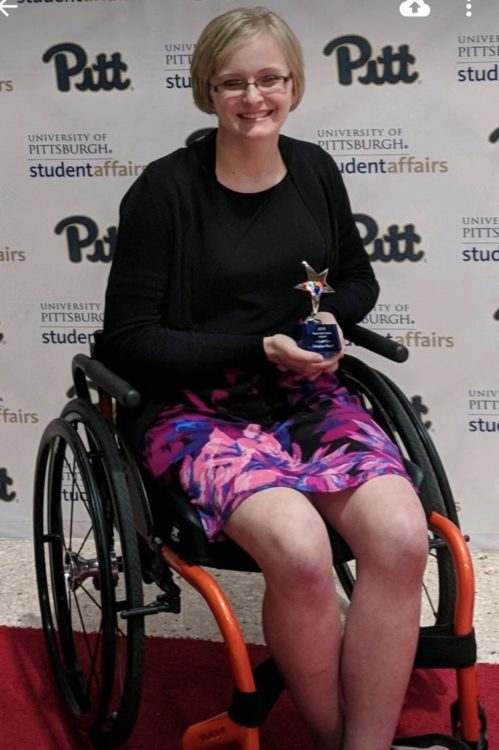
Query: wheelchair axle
point(78, 569)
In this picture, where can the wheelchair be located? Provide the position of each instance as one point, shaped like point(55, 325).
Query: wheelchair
point(103, 530)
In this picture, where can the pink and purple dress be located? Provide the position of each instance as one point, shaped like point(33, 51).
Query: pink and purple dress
point(314, 437)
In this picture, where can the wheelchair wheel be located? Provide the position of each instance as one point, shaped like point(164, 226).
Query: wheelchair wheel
point(394, 413)
point(438, 476)
point(88, 572)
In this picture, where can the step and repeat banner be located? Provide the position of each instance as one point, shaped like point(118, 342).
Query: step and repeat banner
point(404, 96)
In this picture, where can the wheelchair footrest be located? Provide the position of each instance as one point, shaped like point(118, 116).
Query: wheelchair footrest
point(455, 714)
point(429, 740)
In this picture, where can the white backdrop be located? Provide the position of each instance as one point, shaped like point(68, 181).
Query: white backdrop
point(91, 90)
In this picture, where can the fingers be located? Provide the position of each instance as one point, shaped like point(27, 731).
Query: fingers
point(329, 365)
point(285, 353)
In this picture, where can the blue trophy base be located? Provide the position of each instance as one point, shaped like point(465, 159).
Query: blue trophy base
point(322, 338)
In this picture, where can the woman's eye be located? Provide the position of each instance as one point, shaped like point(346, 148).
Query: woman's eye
point(233, 84)
point(268, 80)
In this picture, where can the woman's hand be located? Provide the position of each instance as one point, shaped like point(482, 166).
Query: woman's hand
point(284, 352)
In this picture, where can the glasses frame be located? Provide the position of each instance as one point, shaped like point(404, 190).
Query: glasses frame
point(218, 87)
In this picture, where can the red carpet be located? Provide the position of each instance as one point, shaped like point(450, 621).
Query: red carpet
point(187, 681)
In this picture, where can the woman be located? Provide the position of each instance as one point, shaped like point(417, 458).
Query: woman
point(200, 312)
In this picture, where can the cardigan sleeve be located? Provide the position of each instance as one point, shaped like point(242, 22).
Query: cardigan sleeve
point(136, 342)
point(355, 284)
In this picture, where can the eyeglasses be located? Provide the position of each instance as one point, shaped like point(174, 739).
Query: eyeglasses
point(268, 84)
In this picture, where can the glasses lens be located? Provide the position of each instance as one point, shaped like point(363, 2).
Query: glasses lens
point(270, 83)
point(232, 85)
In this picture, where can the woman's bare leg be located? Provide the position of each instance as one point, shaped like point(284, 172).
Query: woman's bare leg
point(284, 533)
point(384, 525)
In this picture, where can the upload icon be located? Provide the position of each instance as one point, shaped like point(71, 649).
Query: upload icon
point(414, 9)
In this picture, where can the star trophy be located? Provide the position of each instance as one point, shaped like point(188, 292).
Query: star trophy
point(312, 334)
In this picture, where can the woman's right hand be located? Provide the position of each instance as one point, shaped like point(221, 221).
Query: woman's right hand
point(284, 352)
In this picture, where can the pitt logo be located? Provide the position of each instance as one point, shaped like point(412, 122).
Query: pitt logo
point(396, 244)
point(71, 61)
point(5, 481)
point(82, 232)
point(354, 52)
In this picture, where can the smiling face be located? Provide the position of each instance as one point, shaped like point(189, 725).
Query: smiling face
point(251, 113)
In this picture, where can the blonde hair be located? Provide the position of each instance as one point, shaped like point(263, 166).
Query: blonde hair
point(230, 30)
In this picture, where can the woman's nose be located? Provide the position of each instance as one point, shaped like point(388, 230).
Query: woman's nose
point(252, 92)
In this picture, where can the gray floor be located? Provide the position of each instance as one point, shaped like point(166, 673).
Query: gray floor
point(19, 604)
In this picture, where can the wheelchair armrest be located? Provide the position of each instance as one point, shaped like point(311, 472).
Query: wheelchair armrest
point(377, 343)
point(85, 367)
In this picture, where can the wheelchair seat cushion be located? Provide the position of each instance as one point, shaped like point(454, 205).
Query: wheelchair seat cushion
point(257, 432)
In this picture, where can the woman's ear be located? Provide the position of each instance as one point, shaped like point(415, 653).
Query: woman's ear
point(294, 95)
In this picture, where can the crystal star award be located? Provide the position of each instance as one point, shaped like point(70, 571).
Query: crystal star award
point(312, 334)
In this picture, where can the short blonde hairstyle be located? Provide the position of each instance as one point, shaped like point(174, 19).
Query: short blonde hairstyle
point(230, 30)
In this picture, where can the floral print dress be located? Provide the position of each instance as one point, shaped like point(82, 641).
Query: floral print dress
point(267, 429)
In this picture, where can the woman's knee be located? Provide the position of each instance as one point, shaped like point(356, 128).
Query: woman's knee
point(409, 543)
point(301, 561)
point(388, 528)
point(402, 551)
point(287, 537)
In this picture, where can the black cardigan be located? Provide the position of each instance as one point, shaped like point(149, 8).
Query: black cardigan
point(149, 337)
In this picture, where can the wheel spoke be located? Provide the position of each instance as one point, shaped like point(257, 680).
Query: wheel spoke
point(92, 654)
point(90, 596)
point(429, 599)
point(84, 540)
point(93, 672)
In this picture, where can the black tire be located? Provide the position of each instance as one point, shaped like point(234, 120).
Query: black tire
point(63, 540)
point(80, 447)
point(394, 413)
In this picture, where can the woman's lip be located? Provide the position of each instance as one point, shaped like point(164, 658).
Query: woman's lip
point(255, 115)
